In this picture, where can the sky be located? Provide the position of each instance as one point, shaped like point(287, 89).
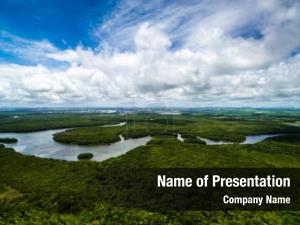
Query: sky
point(133, 53)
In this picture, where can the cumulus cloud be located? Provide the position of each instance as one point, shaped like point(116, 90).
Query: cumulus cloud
point(201, 53)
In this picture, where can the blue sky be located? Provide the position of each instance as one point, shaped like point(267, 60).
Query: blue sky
point(142, 53)
point(63, 24)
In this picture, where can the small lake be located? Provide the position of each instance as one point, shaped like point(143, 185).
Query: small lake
point(251, 139)
point(41, 144)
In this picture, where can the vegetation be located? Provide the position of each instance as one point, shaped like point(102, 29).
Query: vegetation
point(72, 192)
point(41, 121)
point(46, 191)
point(193, 140)
point(8, 140)
point(290, 138)
point(108, 135)
point(189, 126)
point(89, 136)
point(222, 124)
point(85, 156)
point(9, 194)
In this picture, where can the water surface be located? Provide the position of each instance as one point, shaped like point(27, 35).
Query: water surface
point(41, 144)
point(250, 139)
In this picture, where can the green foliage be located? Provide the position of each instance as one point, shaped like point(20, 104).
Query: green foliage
point(89, 135)
point(8, 140)
point(3, 188)
point(227, 125)
point(46, 191)
point(234, 131)
point(192, 140)
point(107, 135)
point(173, 153)
point(85, 156)
point(104, 214)
point(288, 139)
point(41, 121)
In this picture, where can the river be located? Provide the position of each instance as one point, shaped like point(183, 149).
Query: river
point(41, 144)
point(250, 139)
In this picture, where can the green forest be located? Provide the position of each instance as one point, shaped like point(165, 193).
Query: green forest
point(37, 190)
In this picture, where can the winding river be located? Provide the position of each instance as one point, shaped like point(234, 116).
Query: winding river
point(41, 144)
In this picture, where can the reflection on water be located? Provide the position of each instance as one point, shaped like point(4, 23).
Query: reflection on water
point(251, 139)
point(41, 144)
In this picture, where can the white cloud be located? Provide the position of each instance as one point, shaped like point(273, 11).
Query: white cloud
point(32, 51)
point(212, 64)
point(149, 38)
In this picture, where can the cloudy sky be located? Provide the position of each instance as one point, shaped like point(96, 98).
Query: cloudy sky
point(150, 53)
